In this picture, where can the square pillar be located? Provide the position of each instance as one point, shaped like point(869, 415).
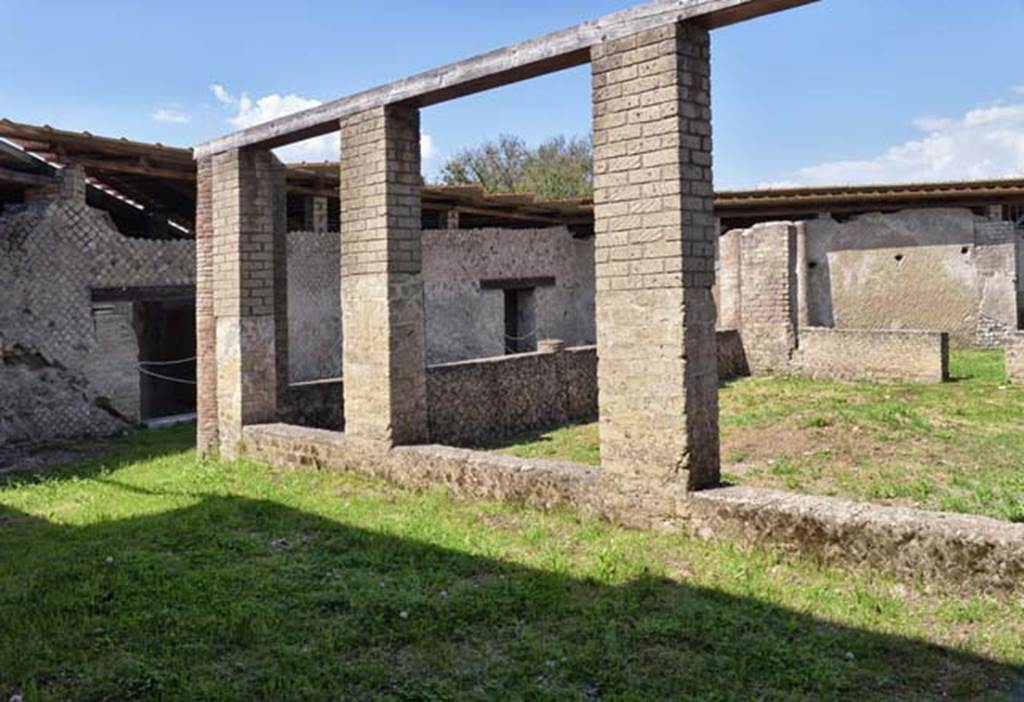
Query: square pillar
point(249, 291)
point(207, 439)
point(384, 347)
point(655, 257)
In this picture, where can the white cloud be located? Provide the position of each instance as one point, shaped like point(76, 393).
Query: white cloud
point(169, 116)
point(428, 149)
point(221, 93)
point(249, 112)
point(984, 143)
point(1019, 89)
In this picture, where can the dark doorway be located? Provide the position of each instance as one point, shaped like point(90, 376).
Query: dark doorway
point(166, 331)
point(520, 321)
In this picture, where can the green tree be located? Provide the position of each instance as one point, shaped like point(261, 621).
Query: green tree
point(559, 168)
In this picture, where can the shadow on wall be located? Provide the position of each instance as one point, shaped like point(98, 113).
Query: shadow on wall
point(248, 597)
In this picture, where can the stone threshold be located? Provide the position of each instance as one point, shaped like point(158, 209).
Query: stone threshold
point(946, 549)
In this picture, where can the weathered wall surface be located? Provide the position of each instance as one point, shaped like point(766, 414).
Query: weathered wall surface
point(52, 252)
point(314, 305)
point(767, 295)
point(941, 269)
point(871, 355)
point(466, 322)
point(486, 400)
point(476, 402)
point(463, 321)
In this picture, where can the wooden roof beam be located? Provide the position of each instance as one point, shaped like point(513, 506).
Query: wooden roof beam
point(512, 64)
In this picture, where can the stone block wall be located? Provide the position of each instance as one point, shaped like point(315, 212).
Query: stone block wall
point(487, 400)
point(53, 252)
point(872, 355)
point(655, 256)
point(477, 402)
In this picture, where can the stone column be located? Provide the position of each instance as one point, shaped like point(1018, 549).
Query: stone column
point(250, 302)
point(655, 230)
point(207, 440)
point(384, 347)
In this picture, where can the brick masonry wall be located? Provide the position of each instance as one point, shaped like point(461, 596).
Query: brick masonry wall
point(767, 295)
point(52, 252)
point(873, 355)
point(250, 302)
point(207, 438)
point(654, 255)
point(384, 359)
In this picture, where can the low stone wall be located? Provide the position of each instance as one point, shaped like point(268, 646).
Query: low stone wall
point(869, 355)
point(958, 550)
point(476, 402)
point(1015, 359)
point(485, 400)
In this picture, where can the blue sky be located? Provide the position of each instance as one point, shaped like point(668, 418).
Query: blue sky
point(839, 92)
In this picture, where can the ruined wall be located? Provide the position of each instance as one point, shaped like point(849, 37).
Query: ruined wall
point(314, 305)
point(942, 269)
point(938, 269)
point(870, 355)
point(486, 400)
point(767, 295)
point(463, 321)
point(82, 378)
point(480, 401)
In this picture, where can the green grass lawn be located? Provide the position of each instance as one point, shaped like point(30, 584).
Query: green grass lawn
point(956, 447)
point(153, 575)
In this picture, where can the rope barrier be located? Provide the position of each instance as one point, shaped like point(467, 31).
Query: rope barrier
point(168, 363)
point(166, 377)
point(521, 338)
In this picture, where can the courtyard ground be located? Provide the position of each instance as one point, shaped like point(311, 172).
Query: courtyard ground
point(955, 447)
point(150, 574)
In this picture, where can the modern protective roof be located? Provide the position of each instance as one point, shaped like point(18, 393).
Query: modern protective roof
point(162, 178)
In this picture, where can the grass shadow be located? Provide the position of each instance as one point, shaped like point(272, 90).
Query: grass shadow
point(236, 598)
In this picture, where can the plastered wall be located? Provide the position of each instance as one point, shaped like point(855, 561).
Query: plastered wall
point(463, 320)
point(945, 270)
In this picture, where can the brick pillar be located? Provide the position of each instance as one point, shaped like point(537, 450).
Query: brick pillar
point(655, 249)
point(314, 214)
point(384, 355)
point(250, 302)
point(207, 439)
